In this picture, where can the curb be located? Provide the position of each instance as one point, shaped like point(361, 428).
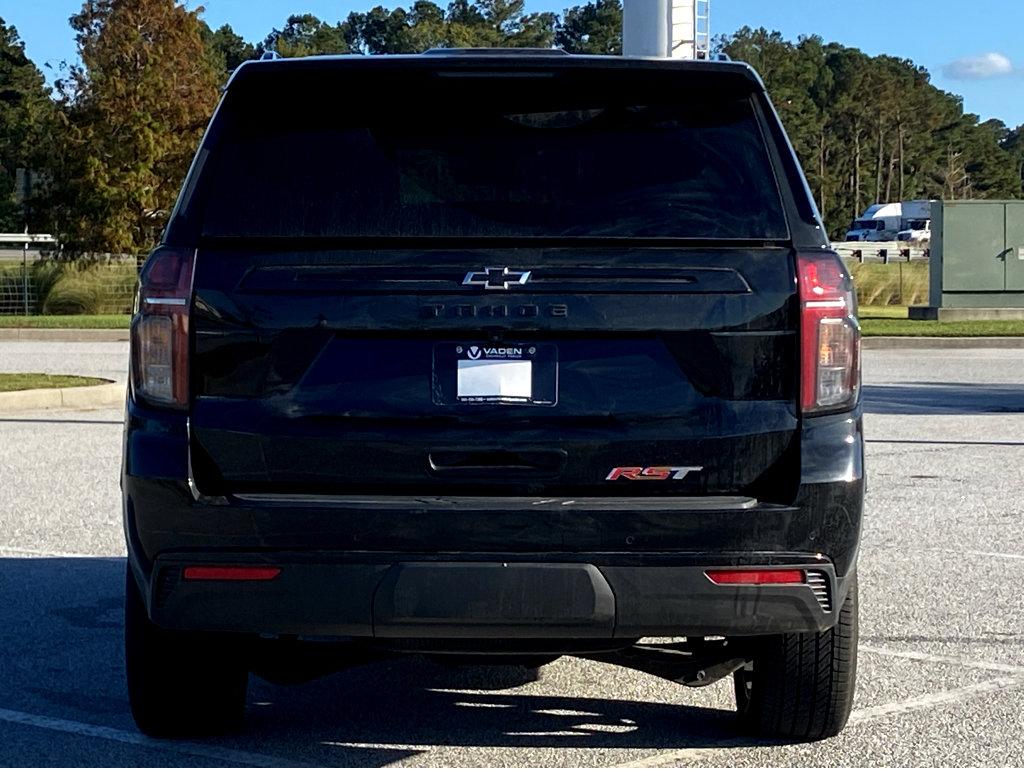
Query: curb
point(94, 396)
point(65, 334)
point(942, 342)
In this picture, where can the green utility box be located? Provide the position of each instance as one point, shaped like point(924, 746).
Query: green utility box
point(977, 260)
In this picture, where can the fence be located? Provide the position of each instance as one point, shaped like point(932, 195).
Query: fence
point(33, 282)
point(892, 283)
point(882, 251)
point(36, 283)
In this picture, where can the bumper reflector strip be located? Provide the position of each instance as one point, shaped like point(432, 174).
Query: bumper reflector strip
point(756, 576)
point(231, 573)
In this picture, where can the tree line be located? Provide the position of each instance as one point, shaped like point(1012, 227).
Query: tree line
point(873, 128)
point(108, 145)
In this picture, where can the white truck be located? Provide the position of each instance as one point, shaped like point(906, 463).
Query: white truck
point(916, 231)
point(909, 220)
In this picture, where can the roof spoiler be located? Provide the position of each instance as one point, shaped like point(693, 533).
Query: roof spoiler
point(496, 52)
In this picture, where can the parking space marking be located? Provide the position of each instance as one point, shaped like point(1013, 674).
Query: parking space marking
point(1014, 556)
point(211, 752)
point(15, 552)
point(928, 701)
point(875, 712)
point(944, 443)
point(953, 551)
point(411, 748)
point(995, 667)
point(857, 717)
point(979, 553)
point(685, 754)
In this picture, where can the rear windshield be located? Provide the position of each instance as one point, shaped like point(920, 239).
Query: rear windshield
point(490, 157)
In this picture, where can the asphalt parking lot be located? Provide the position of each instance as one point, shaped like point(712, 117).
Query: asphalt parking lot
point(942, 625)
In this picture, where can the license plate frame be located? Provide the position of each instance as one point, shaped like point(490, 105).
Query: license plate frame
point(504, 374)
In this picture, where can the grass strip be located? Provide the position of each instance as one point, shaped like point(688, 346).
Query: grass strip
point(65, 321)
point(12, 382)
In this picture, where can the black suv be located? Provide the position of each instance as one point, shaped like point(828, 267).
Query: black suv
point(475, 354)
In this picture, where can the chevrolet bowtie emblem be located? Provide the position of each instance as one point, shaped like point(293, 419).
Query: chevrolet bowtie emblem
point(496, 278)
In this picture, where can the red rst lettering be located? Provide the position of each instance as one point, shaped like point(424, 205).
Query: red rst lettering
point(629, 473)
point(655, 474)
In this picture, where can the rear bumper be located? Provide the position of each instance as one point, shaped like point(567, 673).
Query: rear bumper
point(491, 567)
point(535, 596)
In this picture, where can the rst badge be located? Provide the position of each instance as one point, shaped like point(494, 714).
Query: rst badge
point(651, 473)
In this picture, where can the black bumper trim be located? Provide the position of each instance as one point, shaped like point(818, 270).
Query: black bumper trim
point(681, 504)
point(482, 596)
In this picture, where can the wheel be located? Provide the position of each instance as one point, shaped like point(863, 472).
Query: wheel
point(801, 684)
point(180, 683)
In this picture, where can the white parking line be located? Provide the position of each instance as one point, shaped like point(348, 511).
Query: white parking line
point(1014, 556)
point(953, 551)
point(996, 667)
point(211, 752)
point(1014, 678)
point(928, 701)
point(860, 716)
point(685, 754)
point(401, 746)
point(15, 552)
point(978, 553)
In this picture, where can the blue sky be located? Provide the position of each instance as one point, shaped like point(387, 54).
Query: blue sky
point(975, 52)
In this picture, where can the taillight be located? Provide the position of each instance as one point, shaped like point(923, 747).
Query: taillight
point(829, 334)
point(160, 328)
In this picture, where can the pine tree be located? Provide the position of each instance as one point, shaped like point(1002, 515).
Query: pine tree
point(25, 113)
point(227, 48)
point(306, 35)
point(594, 28)
point(133, 113)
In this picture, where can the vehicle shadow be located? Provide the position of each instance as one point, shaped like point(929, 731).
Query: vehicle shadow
point(60, 620)
point(367, 713)
point(943, 398)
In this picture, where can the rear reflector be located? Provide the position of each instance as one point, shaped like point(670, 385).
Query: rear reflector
point(232, 573)
point(756, 576)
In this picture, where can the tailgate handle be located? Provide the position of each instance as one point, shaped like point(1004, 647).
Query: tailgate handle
point(533, 464)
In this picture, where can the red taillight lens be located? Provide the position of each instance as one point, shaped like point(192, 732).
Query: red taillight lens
point(829, 334)
point(756, 576)
point(160, 328)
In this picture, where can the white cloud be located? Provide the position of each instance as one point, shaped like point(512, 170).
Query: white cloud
point(986, 65)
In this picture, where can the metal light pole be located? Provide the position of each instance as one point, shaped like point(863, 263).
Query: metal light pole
point(678, 29)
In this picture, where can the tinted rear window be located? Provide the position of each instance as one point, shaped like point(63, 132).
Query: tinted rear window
point(434, 156)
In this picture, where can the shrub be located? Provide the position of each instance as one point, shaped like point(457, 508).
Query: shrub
point(96, 289)
point(69, 288)
point(896, 283)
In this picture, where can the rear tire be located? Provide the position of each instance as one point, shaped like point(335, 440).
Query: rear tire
point(801, 686)
point(180, 683)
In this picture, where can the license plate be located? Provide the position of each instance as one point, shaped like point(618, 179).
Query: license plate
point(506, 373)
point(506, 381)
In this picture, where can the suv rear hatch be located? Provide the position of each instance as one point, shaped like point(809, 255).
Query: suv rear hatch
point(548, 279)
